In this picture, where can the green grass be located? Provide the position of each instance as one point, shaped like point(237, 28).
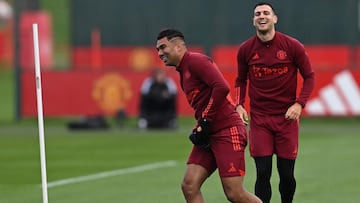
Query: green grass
point(326, 170)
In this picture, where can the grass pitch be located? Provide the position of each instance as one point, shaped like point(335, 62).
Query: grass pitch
point(326, 170)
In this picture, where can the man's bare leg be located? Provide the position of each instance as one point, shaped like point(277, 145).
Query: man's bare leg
point(195, 176)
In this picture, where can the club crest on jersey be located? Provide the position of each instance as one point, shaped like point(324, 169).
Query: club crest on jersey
point(281, 54)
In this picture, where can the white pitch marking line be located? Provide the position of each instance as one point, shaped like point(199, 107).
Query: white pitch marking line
point(107, 174)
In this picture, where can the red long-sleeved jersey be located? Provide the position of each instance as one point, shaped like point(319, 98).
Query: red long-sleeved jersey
point(207, 91)
point(272, 68)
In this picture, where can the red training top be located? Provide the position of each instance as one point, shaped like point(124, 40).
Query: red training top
point(207, 91)
point(272, 68)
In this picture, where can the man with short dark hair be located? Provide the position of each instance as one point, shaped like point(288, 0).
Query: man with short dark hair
point(219, 137)
point(270, 61)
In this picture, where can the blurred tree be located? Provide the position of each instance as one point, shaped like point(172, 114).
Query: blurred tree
point(19, 7)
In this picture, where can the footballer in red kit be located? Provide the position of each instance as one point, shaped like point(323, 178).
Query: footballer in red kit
point(268, 65)
point(272, 69)
point(219, 136)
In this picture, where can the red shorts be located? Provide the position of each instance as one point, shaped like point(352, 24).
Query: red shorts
point(273, 135)
point(226, 154)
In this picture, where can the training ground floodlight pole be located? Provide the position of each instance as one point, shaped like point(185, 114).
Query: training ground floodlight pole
point(40, 114)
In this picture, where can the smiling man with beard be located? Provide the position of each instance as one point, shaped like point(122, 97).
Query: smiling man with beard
point(270, 61)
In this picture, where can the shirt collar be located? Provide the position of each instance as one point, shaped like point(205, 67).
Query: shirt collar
point(267, 43)
point(182, 60)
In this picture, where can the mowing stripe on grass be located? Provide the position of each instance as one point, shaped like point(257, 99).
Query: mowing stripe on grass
point(107, 174)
